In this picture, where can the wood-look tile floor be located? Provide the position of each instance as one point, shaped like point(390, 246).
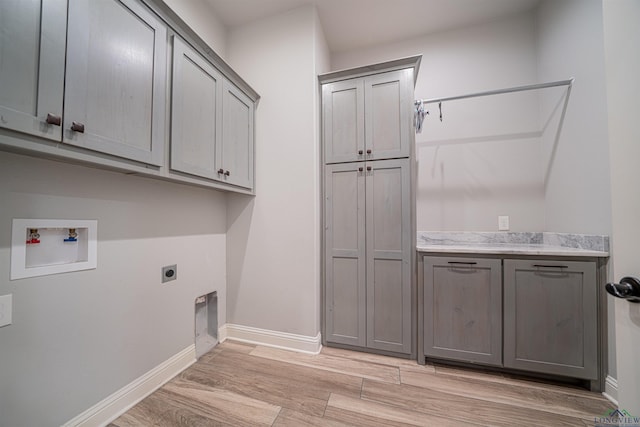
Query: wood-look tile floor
point(244, 385)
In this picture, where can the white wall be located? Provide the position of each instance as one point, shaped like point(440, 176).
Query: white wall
point(483, 159)
point(570, 43)
point(577, 197)
point(622, 59)
point(273, 243)
point(78, 337)
point(200, 17)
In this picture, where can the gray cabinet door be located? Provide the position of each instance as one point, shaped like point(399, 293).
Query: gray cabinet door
point(343, 121)
point(463, 309)
point(116, 79)
point(550, 317)
point(388, 114)
point(345, 286)
point(235, 153)
point(196, 112)
point(388, 237)
point(32, 49)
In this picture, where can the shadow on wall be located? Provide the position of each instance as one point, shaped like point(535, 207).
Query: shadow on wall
point(126, 207)
point(239, 223)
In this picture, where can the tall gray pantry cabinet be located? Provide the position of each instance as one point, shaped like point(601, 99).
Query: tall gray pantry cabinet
point(369, 208)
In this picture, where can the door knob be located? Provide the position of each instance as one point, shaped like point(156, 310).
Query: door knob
point(369, 151)
point(360, 152)
point(227, 173)
point(220, 171)
point(360, 169)
point(368, 168)
point(628, 288)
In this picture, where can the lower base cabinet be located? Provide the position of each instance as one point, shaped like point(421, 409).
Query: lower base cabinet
point(551, 317)
point(464, 321)
point(526, 314)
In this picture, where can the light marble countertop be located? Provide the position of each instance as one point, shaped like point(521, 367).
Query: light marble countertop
point(541, 244)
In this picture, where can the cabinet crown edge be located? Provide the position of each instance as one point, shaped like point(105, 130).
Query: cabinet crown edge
point(366, 70)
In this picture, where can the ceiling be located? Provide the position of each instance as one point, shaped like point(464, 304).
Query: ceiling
point(353, 24)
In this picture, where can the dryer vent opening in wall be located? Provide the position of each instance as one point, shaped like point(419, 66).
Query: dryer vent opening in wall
point(206, 312)
point(41, 247)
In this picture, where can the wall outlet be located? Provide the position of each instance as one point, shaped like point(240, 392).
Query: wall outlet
point(5, 310)
point(169, 273)
point(503, 223)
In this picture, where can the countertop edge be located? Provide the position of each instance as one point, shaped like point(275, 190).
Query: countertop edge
point(512, 250)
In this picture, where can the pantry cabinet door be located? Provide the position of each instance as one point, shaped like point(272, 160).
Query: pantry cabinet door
point(343, 121)
point(196, 112)
point(32, 45)
point(389, 246)
point(388, 114)
point(116, 79)
point(345, 290)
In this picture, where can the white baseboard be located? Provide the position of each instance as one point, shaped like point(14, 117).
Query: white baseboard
point(611, 390)
point(268, 338)
point(124, 399)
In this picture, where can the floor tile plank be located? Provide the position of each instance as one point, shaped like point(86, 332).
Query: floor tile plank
point(332, 364)
point(462, 409)
point(373, 358)
point(387, 414)
point(289, 418)
point(517, 395)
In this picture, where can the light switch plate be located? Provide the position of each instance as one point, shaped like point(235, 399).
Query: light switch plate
point(503, 223)
point(5, 310)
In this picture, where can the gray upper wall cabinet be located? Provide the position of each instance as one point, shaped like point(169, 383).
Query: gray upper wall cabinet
point(116, 79)
point(32, 48)
point(95, 76)
point(196, 112)
point(368, 118)
point(235, 154)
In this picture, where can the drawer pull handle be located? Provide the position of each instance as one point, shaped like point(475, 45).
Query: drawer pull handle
point(53, 119)
point(77, 127)
point(550, 266)
point(462, 262)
